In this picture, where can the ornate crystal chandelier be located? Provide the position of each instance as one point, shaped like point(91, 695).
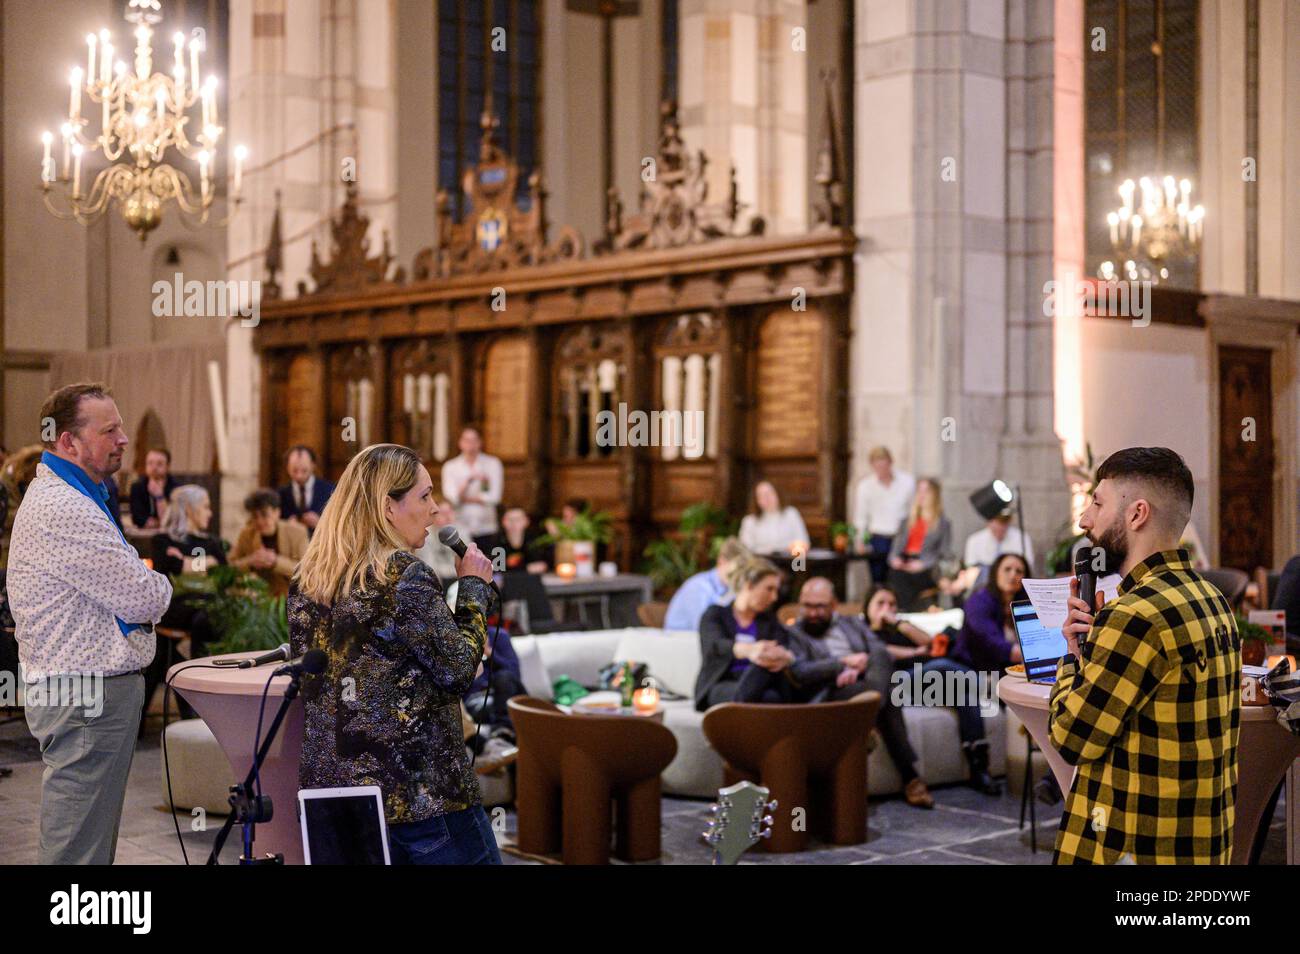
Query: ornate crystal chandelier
point(143, 114)
point(1147, 234)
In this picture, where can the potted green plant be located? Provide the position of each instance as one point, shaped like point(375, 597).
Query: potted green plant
point(1255, 640)
point(243, 615)
point(683, 553)
point(841, 534)
point(575, 542)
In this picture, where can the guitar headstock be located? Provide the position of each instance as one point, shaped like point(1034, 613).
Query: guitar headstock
point(740, 819)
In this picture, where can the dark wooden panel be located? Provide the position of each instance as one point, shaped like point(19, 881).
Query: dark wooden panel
point(787, 365)
point(1245, 465)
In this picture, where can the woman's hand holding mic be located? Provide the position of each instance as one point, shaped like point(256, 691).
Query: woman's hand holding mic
point(474, 563)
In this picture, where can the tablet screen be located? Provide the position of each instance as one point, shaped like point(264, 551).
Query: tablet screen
point(1042, 647)
point(343, 829)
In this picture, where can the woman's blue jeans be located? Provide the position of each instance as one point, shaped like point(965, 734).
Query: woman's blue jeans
point(457, 838)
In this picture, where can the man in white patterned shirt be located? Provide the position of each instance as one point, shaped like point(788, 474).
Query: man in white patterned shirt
point(84, 604)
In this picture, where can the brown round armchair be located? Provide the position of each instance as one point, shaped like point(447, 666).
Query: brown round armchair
point(811, 757)
point(571, 767)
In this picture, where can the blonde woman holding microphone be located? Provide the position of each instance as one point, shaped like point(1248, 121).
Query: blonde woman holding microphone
point(386, 710)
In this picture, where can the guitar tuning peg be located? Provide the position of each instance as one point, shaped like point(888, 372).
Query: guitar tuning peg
point(714, 808)
point(771, 806)
point(767, 820)
point(765, 833)
point(711, 824)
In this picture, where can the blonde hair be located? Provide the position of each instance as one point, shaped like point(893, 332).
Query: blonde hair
point(184, 499)
point(354, 539)
point(936, 507)
point(879, 452)
point(749, 571)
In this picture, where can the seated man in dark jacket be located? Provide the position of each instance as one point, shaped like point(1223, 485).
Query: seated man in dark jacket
point(838, 657)
point(489, 704)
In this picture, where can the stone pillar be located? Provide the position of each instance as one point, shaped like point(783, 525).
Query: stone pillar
point(951, 362)
point(743, 94)
point(298, 71)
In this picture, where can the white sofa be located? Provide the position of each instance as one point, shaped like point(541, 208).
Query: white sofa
point(673, 659)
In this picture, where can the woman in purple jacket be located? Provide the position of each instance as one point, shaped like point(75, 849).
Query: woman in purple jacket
point(988, 640)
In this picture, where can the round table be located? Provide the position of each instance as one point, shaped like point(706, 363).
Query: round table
point(1265, 751)
point(228, 701)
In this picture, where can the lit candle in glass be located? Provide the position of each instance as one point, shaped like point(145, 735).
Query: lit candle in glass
point(645, 700)
point(566, 571)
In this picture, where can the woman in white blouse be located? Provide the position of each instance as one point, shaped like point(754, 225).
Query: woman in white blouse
point(772, 528)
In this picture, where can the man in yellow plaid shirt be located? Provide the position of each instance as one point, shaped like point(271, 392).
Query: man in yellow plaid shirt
point(1147, 701)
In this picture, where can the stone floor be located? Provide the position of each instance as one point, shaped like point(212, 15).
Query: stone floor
point(964, 828)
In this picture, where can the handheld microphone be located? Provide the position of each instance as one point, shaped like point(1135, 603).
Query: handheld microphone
point(279, 654)
point(312, 663)
point(449, 537)
point(1087, 578)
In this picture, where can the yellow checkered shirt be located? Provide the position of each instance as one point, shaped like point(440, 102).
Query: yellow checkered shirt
point(1150, 721)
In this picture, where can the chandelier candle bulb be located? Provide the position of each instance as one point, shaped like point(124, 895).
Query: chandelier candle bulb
point(105, 60)
point(143, 52)
point(194, 65)
point(76, 170)
point(178, 52)
point(66, 130)
point(241, 153)
point(46, 139)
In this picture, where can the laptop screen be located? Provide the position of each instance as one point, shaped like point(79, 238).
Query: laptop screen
point(1041, 647)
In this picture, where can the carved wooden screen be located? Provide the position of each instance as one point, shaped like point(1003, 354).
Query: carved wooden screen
point(505, 386)
point(789, 368)
point(688, 384)
point(353, 420)
point(419, 394)
point(304, 389)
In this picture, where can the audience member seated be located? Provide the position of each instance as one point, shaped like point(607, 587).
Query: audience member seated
point(436, 555)
point(988, 637)
point(772, 529)
point(1287, 596)
point(704, 589)
point(304, 497)
point(880, 506)
point(919, 546)
point(267, 545)
point(506, 683)
point(982, 548)
point(838, 657)
point(568, 514)
point(184, 546)
point(743, 648)
point(909, 646)
point(150, 492)
point(514, 546)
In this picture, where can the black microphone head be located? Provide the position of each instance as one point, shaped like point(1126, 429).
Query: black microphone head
point(314, 662)
point(1083, 562)
point(449, 536)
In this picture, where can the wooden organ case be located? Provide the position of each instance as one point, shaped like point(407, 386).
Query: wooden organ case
point(682, 360)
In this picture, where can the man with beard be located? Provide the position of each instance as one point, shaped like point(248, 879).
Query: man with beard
point(84, 603)
point(838, 657)
point(1147, 701)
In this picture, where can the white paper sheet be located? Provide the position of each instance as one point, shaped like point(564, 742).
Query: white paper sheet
point(1051, 597)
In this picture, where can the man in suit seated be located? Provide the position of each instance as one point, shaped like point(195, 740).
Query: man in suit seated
point(152, 490)
point(267, 545)
point(305, 496)
point(514, 546)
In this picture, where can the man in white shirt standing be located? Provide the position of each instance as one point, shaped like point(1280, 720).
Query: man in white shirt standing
point(880, 506)
point(983, 547)
point(472, 482)
point(84, 603)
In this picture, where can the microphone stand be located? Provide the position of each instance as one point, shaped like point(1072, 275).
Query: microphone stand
point(249, 809)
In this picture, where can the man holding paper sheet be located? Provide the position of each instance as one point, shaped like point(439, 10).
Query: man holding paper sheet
point(1147, 701)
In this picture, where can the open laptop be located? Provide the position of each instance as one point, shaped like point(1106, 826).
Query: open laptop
point(1041, 647)
point(343, 826)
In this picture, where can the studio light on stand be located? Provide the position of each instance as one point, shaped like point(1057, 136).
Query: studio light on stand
point(994, 499)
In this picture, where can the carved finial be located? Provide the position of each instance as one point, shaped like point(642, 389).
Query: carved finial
point(828, 209)
point(274, 260)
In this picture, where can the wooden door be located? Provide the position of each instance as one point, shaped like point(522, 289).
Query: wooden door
point(1246, 461)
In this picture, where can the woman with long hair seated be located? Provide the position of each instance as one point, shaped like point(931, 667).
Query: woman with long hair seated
point(744, 647)
point(919, 546)
point(386, 710)
point(988, 636)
